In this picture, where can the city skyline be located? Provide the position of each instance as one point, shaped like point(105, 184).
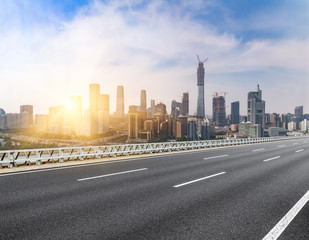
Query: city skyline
point(49, 56)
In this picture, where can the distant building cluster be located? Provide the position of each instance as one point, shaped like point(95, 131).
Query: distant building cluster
point(153, 123)
point(23, 119)
point(68, 120)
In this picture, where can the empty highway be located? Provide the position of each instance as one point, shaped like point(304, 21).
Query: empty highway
point(257, 191)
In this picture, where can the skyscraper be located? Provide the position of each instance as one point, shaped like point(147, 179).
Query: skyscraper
point(200, 87)
point(143, 105)
point(134, 123)
point(185, 104)
point(2, 119)
point(299, 112)
point(275, 120)
point(94, 93)
point(176, 108)
point(103, 103)
point(103, 113)
point(299, 115)
point(235, 112)
point(92, 115)
point(192, 129)
point(26, 116)
point(120, 102)
point(218, 111)
point(256, 108)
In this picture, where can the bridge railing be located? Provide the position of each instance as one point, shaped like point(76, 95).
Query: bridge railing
point(14, 158)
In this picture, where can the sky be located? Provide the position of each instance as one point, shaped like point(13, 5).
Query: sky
point(53, 49)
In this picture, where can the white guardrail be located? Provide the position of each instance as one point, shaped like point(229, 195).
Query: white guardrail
point(14, 158)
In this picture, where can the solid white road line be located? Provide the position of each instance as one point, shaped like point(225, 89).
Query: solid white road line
point(281, 146)
point(111, 174)
point(287, 219)
point(216, 157)
point(256, 150)
point(269, 159)
point(200, 179)
point(300, 150)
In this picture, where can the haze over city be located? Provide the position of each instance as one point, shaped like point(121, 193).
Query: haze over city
point(53, 49)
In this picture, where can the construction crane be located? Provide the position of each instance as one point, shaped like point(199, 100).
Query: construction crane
point(198, 58)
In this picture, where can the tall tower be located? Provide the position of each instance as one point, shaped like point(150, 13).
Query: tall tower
point(299, 113)
point(143, 101)
point(94, 93)
point(185, 104)
point(256, 108)
point(235, 112)
point(218, 110)
point(200, 87)
point(26, 115)
point(120, 102)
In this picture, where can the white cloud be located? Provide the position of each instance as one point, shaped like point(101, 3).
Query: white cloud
point(152, 49)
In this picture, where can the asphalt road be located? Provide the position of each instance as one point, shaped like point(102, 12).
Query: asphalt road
point(225, 193)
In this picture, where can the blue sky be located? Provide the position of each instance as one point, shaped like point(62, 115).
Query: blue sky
point(54, 48)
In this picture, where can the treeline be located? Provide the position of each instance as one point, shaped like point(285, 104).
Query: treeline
point(12, 145)
point(33, 133)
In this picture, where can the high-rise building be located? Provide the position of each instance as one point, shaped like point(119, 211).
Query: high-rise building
point(285, 119)
point(256, 109)
point(200, 87)
point(151, 110)
point(299, 115)
point(143, 106)
point(2, 119)
point(192, 129)
point(103, 113)
point(56, 119)
point(161, 107)
point(103, 102)
point(250, 130)
point(185, 104)
point(218, 111)
point(12, 120)
point(243, 118)
point(94, 93)
point(299, 110)
point(3, 124)
point(267, 120)
point(120, 102)
point(184, 125)
point(235, 112)
point(175, 109)
point(304, 125)
point(152, 103)
point(274, 120)
point(292, 126)
point(26, 116)
point(134, 123)
point(205, 130)
point(41, 122)
point(92, 115)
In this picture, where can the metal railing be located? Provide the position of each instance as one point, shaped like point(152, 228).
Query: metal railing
point(14, 158)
